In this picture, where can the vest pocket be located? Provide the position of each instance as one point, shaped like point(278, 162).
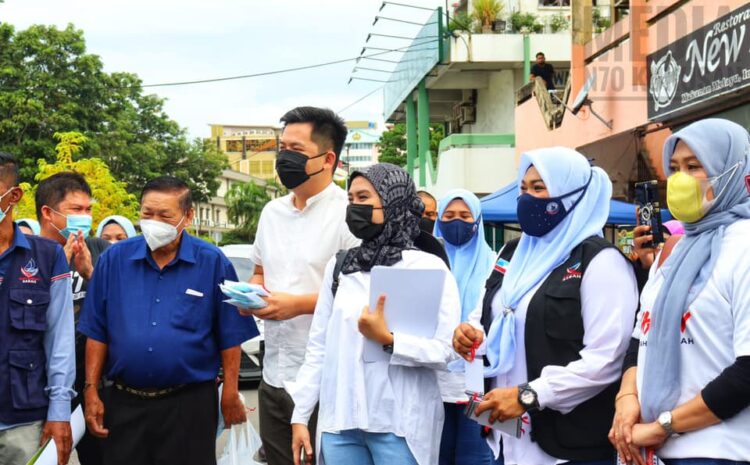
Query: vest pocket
point(28, 309)
point(28, 378)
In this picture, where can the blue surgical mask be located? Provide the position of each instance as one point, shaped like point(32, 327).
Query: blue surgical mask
point(458, 232)
point(538, 217)
point(5, 212)
point(74, 224)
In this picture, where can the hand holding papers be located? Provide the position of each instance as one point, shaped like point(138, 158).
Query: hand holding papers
point(412, 303)
point(244, 295)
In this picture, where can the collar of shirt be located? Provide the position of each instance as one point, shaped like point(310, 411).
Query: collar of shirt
point(185, 252)
point(328, 191)
point(19, 240)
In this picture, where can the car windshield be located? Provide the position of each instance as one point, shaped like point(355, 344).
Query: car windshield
point(243, 266)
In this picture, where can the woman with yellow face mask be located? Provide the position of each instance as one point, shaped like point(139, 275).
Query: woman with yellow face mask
point(689, 393)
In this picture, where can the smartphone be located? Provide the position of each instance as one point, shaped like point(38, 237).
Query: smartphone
point(649, 210)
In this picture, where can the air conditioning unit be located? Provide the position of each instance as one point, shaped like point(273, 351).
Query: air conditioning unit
point(468, 114)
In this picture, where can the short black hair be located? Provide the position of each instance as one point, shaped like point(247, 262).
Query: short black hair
point(9, 169)
point(170, 184)
point(540, 53)
point(428, 195)
point(53, 190)
point(328, 128)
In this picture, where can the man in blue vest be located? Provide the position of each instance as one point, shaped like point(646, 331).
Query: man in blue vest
point(37, 357)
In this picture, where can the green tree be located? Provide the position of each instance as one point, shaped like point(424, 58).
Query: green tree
point(244, 205)
point(111, 196)
point(393, 144)
point(50, 84)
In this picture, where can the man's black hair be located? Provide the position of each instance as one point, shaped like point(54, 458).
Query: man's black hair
point(170, 184)
point(427, 194)
point(540, 53)
point(328, 128)
point(9, 169)
point(53, 190)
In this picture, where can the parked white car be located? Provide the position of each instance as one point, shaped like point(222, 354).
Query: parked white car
point(251, 365)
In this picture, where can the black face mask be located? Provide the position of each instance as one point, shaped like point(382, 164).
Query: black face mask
point(427, 225)
point(291, 167)
point(359, 220)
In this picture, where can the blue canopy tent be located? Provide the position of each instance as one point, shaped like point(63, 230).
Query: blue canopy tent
point(500, 207)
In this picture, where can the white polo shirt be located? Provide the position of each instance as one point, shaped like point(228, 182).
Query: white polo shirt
point(293, 247)
point(715, 330)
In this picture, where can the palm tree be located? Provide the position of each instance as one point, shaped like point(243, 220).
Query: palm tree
point(244, 204)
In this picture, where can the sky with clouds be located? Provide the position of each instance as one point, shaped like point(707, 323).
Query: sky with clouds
point(182, 40)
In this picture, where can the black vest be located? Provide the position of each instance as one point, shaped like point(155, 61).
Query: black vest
point(554, 336)
point(24, 298)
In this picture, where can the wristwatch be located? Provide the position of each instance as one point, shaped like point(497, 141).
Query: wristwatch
point(527, 397)
point(665, 421)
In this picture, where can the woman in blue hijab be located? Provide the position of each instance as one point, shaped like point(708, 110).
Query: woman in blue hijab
point(557, 312)
point(471, 259)
point(115, 228)
point(689, 394)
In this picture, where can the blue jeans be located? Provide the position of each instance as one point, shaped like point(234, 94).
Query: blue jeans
point(462, 442)
point(698, 461)
point(355, 446)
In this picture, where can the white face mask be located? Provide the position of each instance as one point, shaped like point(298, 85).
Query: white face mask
point(158, 234)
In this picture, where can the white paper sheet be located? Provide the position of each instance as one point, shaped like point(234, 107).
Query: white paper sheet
point(412, 303)
point(48, 455)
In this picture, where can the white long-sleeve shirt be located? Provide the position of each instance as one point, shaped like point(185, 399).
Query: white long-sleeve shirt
point(609, 298)
point(399, 396)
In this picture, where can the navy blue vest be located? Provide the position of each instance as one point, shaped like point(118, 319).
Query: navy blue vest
point(554, 336)
point(24, 298)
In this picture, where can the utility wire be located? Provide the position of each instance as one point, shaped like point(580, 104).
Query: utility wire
point(266, 73)
point(359, 100)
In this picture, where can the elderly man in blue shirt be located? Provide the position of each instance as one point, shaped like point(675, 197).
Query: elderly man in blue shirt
point(37, 360)
point(158, 327)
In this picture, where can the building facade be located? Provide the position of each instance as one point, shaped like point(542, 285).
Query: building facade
point(468, 81)
point(250, 150)
point(662, 66)
point(361, 147)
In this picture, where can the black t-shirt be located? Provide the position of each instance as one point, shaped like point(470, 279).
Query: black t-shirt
point(96, 247)
point(546, 72)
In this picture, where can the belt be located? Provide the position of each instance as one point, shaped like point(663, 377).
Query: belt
point(148, 393)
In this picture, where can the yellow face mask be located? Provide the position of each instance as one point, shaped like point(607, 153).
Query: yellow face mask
point(686, 197)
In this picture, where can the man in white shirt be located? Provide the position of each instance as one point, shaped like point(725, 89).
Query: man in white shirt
point(297, 235)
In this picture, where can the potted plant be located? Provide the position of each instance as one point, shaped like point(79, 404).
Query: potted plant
point(460, 22)
point(558, 23)
point(520, 21)
point(485, 12)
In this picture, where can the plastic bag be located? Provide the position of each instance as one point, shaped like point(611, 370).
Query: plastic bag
point(241, 446)
point(244, 295)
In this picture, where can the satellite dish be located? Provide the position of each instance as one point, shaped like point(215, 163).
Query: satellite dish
point(583, 99)
point(583, 95)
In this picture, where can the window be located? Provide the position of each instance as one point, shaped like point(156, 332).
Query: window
point(554, 2)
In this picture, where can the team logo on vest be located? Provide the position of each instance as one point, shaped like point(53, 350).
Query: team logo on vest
point(573, 272)
point(29, 273)
point(553, 208)
point(501, 266)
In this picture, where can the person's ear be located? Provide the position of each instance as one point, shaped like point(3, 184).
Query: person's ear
point(46, 213)
point(16, 195)
point(189, 217)
point(330, 160)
